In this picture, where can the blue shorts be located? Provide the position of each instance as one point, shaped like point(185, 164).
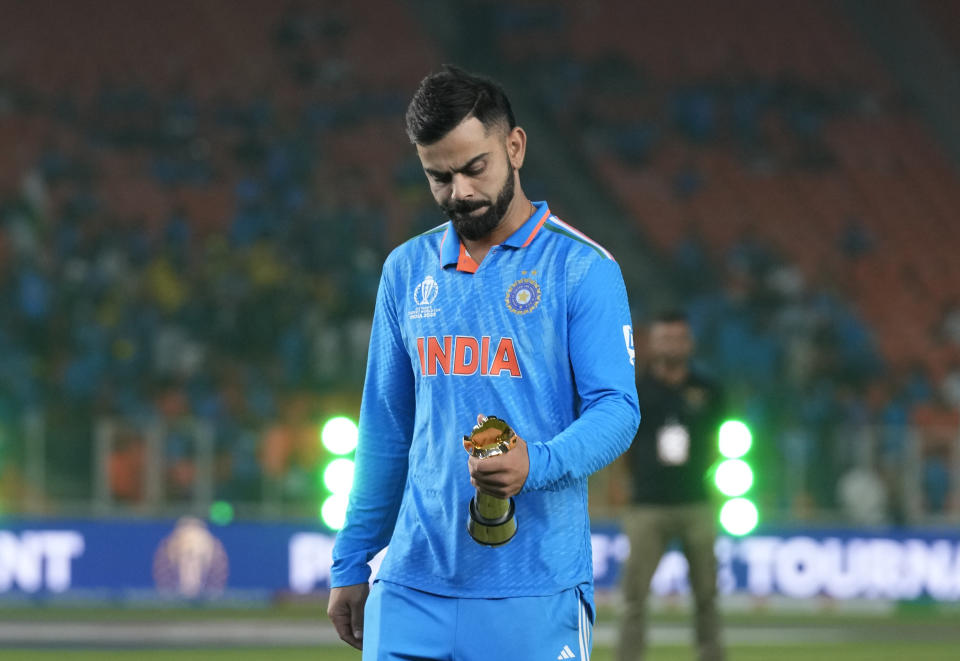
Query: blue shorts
point(403, 623)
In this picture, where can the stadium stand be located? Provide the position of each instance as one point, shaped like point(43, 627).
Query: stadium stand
point(196, 199)
point(764, 147)
point(196, 203)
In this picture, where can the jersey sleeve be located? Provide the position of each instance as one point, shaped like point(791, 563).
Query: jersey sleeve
point(386, 428)
point(600, 338)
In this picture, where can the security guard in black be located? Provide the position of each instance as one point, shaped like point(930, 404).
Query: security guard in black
point(669, 460)
point(676, 442)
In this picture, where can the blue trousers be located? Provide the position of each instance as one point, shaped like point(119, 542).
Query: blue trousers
point(401, 623)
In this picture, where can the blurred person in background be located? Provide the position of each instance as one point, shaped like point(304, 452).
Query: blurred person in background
point(668, 463)
point(863, 495)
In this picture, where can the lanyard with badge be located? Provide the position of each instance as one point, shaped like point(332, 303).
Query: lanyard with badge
point(673, 443)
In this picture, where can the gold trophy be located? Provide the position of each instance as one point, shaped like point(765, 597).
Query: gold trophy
point(492, 520)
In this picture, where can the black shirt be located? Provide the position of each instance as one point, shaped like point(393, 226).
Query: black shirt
point(676, 442)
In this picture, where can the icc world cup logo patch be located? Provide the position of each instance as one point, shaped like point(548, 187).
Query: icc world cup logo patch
point(523, 296)
point(426, 292)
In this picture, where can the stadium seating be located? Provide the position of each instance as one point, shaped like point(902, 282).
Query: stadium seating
point(773, 120)
point(195, 199)
point(175, 149)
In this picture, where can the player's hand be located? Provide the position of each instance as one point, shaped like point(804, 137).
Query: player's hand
point(503, 475)
point(345, 610)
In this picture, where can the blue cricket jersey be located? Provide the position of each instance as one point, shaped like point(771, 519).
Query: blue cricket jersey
point(538, 334)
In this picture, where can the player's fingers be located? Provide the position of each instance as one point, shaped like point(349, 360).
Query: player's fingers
point(346, 612)
point(496, 475)
point(496, 492)
point(483, 467)
point(356, 625)
point(342, 623)
point(500, 485)
point(492, 490)
point(488, 481)
point(487, 466)
point(504, 463)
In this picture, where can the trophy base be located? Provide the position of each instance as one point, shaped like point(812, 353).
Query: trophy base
point(492, 532)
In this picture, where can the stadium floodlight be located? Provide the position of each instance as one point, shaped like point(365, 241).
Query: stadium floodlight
point(333, 512)
point(733, 477)
point(339, 435)
point(739, 516)
point(735, 439)
point(338, 476)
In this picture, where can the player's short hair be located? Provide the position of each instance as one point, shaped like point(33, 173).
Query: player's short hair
point(447, 97)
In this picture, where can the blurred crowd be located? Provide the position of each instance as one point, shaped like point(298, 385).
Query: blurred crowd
point(839, 421)
point(243, 315)
point(246, 313)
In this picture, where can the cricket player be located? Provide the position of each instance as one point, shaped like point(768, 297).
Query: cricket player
point(503, 311)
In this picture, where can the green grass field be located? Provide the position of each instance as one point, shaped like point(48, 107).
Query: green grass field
point(907, 635)
point(914, 651)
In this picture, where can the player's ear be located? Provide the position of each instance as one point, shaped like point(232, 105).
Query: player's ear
point(516, 142)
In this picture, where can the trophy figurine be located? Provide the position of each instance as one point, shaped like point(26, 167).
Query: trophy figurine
point(492, 521)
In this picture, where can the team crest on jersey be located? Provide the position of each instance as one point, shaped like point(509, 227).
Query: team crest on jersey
point(523, 296)
point(424, 294)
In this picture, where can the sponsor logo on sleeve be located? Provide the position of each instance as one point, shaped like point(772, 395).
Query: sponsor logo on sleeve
point(628, 339)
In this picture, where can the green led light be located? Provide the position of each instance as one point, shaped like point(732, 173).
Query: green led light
point(735, 439)
point(734, 477)
point(739, 516)
point(333, 512)
point(339, 435)
point(221, 512)
point(338, 476)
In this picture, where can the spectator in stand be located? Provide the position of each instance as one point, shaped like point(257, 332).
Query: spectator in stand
point(949, 326)
point(936, 480)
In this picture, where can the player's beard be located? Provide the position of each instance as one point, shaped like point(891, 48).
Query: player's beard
point(474, 228)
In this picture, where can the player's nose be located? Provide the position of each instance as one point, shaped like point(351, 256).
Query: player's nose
point(462, 187)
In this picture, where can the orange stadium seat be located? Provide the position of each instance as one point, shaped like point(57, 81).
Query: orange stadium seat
point(883, 159)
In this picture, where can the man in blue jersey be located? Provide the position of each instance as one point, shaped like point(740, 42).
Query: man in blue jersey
point(505, 311)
